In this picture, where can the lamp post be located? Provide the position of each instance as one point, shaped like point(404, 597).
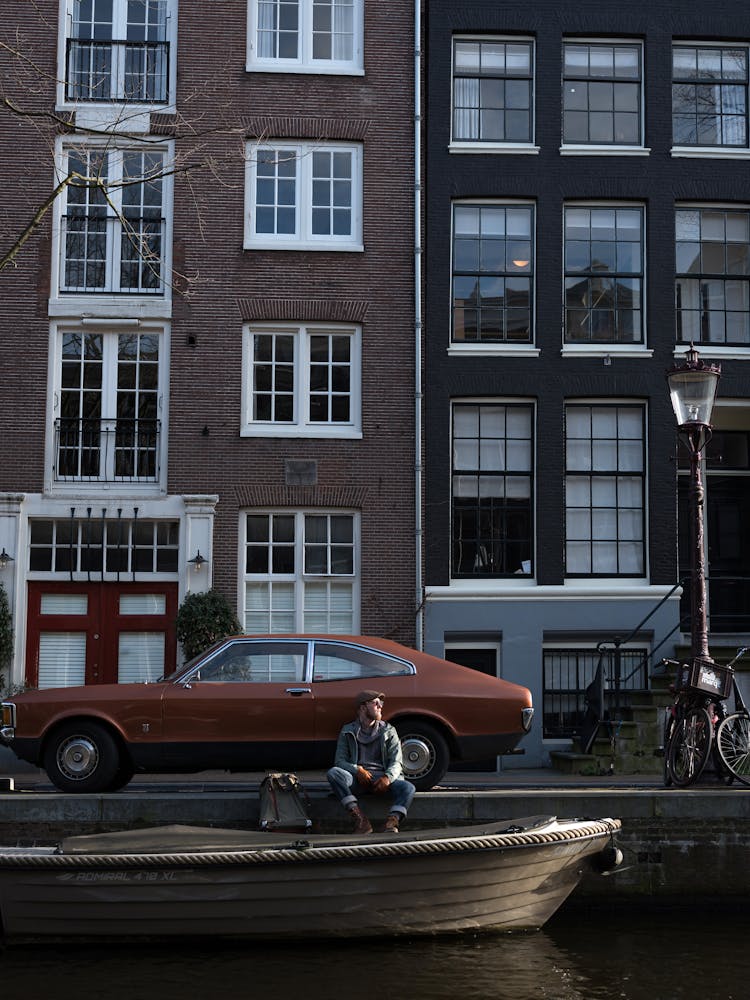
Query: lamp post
point(692, 389)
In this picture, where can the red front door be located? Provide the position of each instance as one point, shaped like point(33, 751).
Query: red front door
point(99, 633)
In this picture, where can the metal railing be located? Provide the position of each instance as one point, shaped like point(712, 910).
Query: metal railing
point(113, 450)
point(89, 262)
point(107, 71)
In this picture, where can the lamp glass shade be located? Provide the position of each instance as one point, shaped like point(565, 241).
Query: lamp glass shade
point(693, 392)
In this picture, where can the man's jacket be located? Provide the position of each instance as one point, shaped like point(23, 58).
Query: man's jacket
point(390, 750)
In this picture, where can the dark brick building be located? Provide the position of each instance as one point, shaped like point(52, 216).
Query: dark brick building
point(587, 218)
point(208, 338)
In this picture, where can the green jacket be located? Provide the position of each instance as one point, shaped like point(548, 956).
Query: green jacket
point(390, 750)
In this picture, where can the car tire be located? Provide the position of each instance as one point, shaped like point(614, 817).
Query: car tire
point(124, 775)
point(425, 753)
point(82, 757)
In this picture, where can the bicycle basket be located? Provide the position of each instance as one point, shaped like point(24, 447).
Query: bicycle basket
point(705, 676)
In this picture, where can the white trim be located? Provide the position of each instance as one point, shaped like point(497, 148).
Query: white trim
point(609, 150)
point(727, 353)
point(493, 350)
point(499, 590)
point(600, 350)
point(712, 152)
point(305, 63)
point(490, 148)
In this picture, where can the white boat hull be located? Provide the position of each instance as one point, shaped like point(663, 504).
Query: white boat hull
point(268, 886)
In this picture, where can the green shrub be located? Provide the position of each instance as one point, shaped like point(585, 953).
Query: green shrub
point(202, 619)
point(6, 636)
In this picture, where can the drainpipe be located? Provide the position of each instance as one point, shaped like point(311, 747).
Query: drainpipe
point(418, 537)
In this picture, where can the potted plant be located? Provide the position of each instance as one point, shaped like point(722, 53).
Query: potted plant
point(202, 619)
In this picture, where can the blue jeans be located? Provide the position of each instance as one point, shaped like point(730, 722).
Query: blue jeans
point(343, 783)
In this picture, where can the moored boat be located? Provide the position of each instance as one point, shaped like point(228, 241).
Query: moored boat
point(190, 881)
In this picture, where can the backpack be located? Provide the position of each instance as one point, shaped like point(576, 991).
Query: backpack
point(283, 803)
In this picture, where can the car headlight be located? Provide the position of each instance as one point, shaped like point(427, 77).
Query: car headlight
point(527, 715)
point(7, 720)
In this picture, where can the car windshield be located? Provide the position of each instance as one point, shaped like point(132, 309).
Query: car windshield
point(191, 663)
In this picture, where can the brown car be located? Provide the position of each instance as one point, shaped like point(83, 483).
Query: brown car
point(265, 702)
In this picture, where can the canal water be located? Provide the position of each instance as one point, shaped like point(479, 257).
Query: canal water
point(638, 955)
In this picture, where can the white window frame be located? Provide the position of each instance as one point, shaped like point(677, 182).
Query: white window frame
point(298, 579)
point(304, 61)
point(303, 238)
point(721, 151)
point(605, 148)
point(119, 18)
point(109, 392)
point(102, 302)
point(301, 425)
point(495, 145)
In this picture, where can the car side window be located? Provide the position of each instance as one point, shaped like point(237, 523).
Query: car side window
point(333, 662)
point(255, 663)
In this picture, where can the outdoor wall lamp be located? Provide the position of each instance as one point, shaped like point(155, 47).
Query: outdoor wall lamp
point(197, 562)
point(692, 389)
point(5, 558)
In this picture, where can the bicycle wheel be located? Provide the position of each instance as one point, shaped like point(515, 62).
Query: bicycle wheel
point(689, 746)
point(733, 741)
point(666, 740)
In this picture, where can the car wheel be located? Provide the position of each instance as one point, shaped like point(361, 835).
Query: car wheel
point(82, 757)
point(425, 754)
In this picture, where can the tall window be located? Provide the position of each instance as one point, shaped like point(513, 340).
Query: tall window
point(493, 83)
point(103, 544)
point(713, 276)
point(603, 274)
point(301, 572)
point(602, 93)
point(604, 490)
point(113, 224)
point(709, 95)
point(304, 195)
point(302, 380)
point(107, 427)
point(493, 264)
point(118, 51)
point(318, 36)
point(493, 461)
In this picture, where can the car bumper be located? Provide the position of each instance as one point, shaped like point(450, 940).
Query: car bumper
point(481, 747)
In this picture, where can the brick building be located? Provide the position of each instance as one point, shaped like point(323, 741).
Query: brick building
point(587, 218)
point(208, 337)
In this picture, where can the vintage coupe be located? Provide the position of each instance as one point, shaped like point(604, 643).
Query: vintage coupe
point(255, 702)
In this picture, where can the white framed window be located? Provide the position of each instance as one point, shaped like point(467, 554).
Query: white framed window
point(493, 91)
point(113, 220)
point(305, 36)
point(300, 571)
point(118, 52)
point(605, 489)
point(108, 406)
point(301, 380)
point(302, 195)
point(602, 93)
point(710, 96)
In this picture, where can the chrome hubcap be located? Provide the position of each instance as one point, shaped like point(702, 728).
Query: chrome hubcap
point(77, 757)
point(418, 756)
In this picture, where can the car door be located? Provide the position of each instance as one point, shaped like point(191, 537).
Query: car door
point(247, 706)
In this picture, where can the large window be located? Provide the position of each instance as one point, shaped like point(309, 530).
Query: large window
point(304, 195)
point(713, 276)
point(103, 542)
point(119, 50)
point(107, 427)
point(603, 274)
point(302, 380)
point(709, 95)
point(604, 490)
point(493, 265)
point(493, 83)
point(493, 461)
point(305, 36)
point(113, 225)
point(301, 572)
point(602, 93)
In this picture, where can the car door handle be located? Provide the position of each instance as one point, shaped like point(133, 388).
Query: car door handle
point(298, 691)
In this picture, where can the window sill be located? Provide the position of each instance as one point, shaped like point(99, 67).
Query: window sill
point(606, 351)
point(494, 350)
point(493, 148)
point(725, 351)
point(592, 150)
point(711, 152)
point(295, 431)
point(303, 246)
point(104, 306)
point(279, 66)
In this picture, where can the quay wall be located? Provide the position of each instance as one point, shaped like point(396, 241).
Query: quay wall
point(677, 844)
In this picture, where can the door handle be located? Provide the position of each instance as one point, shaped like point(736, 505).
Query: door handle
point(296, 692)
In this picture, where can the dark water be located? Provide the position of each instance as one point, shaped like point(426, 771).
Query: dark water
point(692, 955)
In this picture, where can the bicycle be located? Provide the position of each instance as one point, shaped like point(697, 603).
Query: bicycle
point(696, 716)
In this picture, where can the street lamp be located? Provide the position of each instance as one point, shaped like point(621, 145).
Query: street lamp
point(692, 389)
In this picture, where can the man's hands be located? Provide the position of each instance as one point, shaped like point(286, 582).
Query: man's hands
point(363, 776)
point(381, 785)
point(378, 786)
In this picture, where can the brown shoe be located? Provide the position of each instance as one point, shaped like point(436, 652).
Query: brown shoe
point(391, 824)
point(361, 822)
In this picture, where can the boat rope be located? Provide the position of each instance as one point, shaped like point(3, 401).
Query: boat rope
point(303, 851)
